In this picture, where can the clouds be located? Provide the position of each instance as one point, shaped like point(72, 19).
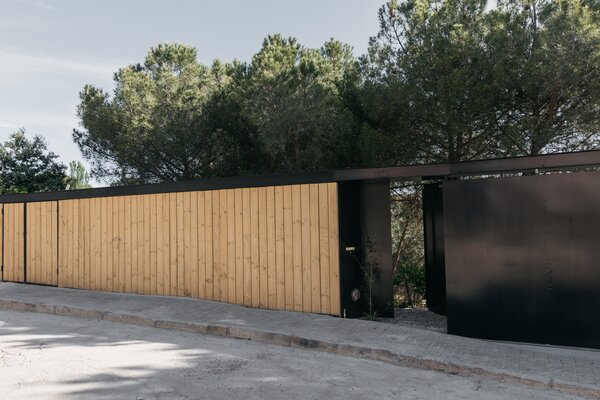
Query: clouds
point(36, 119)
point(37, 4)
point(40, 93)
point(8, 125)
point(18, 64)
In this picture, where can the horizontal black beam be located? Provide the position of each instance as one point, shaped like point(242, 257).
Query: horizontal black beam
point(434, 171)
point(170, 187)
point(558, 161)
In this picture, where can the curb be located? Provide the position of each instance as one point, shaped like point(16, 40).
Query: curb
point(281, 339)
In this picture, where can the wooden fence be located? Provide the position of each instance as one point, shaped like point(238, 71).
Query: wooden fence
point(273, 247)
point(13, 248)
point(42, 242)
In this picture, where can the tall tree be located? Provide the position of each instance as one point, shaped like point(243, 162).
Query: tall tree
point(461, 81)
point(292, 96)
point(157, 125)
point(547, 62)
point(78, 177)
point(427, 72)
point(28, 166)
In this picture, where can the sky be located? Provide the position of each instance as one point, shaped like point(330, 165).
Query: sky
point(50, 49)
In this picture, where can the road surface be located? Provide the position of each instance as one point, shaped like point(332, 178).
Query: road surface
point(52, 357)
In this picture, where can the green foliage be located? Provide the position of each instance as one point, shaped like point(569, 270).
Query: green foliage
point(407, 239)
point(78, 177)
point(27, 166)
point(462, 82)
point(168, 119)
point(546, 56)
point(292, 97)
point(371, 271)
point(175, 119)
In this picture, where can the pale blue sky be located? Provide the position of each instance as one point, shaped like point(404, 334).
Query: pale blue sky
point(50, 49)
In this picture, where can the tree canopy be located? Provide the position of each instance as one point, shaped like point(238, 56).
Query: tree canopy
point(27, 166)
point(292, 97)
point(443, 80)
point(78, 177)
point(462, 82)
point(170, 118)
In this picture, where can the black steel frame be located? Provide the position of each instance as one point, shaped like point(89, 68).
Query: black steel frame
point(426, 171)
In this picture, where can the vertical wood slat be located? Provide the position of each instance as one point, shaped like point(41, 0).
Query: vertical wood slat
point(138, 203)
point(104, 244)
point(187, 247)
point(146, 248)
point(193, 216)
point(202, 249)
point(53, 243)
point(334, 255)
point(172, 243)
point(2, 242)
point(153, 244)
point(279, 248)
point(239, 246)
point(262, 247)
point(231, 270)
point(135, 245)
point(296, 244)
point(98, 249)
point(323, 206)
point(34, 228)
point(42, 243)
point(127, 266)
point(216, 248)
point(160, 264)
point(288, 241)
point(121, 268)
point(223, 254)
point(254, 247)
point(7, 237)
point(209, 245)
point(314, 249)
point(305, 244)
point(77, 249)
point(271, 257)
point(247, 247)
point(268, 247)
point(63, 273)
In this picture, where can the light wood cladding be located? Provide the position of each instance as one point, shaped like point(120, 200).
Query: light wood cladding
point(268, 247)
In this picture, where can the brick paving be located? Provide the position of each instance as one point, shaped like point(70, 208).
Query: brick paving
point(554, 366)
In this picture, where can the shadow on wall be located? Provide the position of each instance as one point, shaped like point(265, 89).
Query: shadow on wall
point(521, 258)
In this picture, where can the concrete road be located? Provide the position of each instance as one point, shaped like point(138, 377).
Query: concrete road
point(50, 357)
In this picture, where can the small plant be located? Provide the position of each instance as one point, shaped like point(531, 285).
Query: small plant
point(370, 270)
point(371, 316)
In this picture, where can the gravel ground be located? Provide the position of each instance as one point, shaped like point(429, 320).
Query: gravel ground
point(418, 318)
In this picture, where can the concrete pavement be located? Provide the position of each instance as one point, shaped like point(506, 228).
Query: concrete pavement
point(569, 371)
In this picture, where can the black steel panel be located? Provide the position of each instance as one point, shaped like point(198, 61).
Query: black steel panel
point(377, 244)
point(365, 216)
point(435, 270)
point(350, 247)
point(522, 258)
